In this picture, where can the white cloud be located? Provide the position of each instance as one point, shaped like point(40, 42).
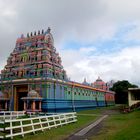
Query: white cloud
point(82, 21)
point(118, 66)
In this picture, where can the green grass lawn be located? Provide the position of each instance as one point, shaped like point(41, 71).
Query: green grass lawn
point(116, 127)
point(121, 127)
point(66, 130)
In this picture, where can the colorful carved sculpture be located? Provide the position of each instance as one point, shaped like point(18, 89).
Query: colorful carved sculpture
point(36, 51)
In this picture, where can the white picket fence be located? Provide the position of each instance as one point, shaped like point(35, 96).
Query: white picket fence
point(1, 129)
point(11, 114)
point(20, 127)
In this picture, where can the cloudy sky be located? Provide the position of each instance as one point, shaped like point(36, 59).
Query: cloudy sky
point(94, 37)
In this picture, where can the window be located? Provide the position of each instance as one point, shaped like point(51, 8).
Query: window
point(135, 96)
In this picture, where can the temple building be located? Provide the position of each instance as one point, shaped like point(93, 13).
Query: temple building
point(100, 84)
point(85, 82)
point(35, 66)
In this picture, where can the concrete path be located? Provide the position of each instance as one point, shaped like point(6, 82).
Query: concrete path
point(88, 128)
point(83, 134)
point(93, 128)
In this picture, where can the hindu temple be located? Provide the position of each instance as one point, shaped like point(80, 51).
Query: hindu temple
point(34, 73)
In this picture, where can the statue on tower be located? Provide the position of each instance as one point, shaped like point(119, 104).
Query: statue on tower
point(48, 36)
point(48, 30)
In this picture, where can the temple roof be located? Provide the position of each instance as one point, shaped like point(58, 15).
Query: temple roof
point(85, 82)
point(32, 95)
point(99, 81)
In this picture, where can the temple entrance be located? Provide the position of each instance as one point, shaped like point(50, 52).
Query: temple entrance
point(20, 91)
point(20, 103)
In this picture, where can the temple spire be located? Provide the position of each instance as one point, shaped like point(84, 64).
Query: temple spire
point(85, 80)
point(38, 32)
point(27, 34)
point(49, 30)
point(42, 31)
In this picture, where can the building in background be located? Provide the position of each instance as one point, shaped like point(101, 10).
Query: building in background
point(35, 65)
point(85, 82)
point(133, 96)
point(100, 84)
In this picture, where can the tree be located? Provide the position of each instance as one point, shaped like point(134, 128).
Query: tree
point(121, 90)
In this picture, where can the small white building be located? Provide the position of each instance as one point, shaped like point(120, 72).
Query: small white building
point(133, 96)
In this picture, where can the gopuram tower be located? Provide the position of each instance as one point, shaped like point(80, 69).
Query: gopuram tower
point(33, 60)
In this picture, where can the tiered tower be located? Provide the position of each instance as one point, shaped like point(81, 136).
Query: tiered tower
point(34, 65)
point(34, 56)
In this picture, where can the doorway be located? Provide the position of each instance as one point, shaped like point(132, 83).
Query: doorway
point(21, 91)
point(20, 103)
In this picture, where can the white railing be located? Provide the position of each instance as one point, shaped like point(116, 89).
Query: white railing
point(35, 114)
point(1, 129)
point(20, 127)
point(11, 114)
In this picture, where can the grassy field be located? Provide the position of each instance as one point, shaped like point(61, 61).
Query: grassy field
point(116, 127)
point(64, 131)
point(121, 127)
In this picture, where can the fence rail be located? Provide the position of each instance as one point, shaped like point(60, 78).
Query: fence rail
point(11, 114)
point(20, 127)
